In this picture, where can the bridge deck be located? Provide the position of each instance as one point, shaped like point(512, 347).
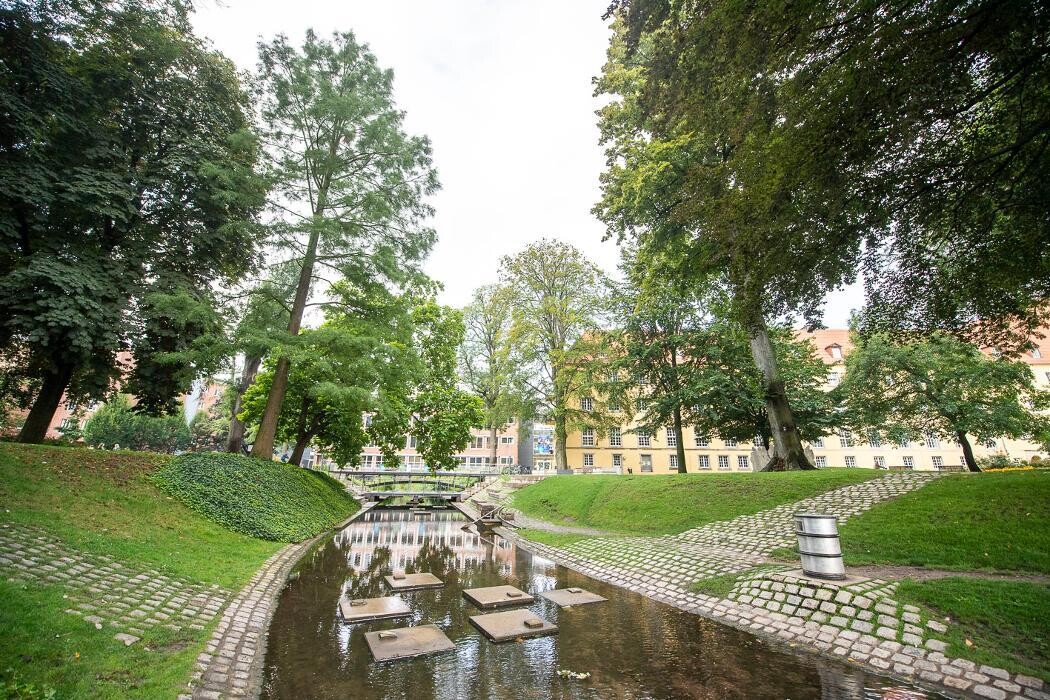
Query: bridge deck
point(381, 495)
point(400, 473)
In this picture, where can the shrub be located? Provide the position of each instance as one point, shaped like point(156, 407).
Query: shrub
point(264, 499)
point(999, 461)
point(116, 424)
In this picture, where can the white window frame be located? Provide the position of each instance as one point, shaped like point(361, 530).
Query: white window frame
point(908, 462)
point(672, 439)
point(701, 440)
point(937, 461)
point(588, 459)
point(672, 461)
point(642, 466)
point(743, 464)
point(730, 442)
point(821, 462)
point(586, 403)
point(587, 437)
point(617, 460)
point(615, 437)
point(851, 462)
point(723, 463)
point(644, 439)
point(704, 463)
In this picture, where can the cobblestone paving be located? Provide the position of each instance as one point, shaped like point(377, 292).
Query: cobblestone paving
point(105, 592)
point(858, 621)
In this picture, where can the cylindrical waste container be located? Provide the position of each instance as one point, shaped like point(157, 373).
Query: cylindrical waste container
point(818, 545)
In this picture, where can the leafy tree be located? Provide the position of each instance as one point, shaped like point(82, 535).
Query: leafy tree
point(662, 322)
point(729, 393)
point(208, 429)
point(116, 423)
point(559, 298)
point(442, 413)
point(350, 183)
point(126, 157)
point(697, 172)
point(486, 358)
point(940, 386)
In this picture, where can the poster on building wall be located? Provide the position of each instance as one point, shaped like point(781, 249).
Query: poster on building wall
point(543, 444)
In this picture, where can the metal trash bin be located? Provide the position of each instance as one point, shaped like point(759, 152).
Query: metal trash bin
point(818, 545)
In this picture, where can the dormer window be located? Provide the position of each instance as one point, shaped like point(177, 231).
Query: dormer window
point(1036, 354)
point(836, 351)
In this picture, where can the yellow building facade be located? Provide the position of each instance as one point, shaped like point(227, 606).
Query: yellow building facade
point(624, 451)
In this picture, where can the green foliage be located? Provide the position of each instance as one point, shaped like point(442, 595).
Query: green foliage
point(127, 159)
point(558, 299)
point(664, 504)
point(12, 686)
point(1005, 622)
point(116, 423)
point(264, 499)
point(940, 386)
point(486, 355)
point(964, 522)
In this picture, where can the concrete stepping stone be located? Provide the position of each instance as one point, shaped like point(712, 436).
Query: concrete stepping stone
point(512, 624)
point(497, 596)
point(406, 642)
point(368, 609)
point(400, 581)
point(567, 597)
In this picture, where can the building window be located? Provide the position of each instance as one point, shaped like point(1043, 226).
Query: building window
point(588, 437)
point(410, 442)
point(705, 462)
point(617, 460)
point(701, 440)
point(588, 459)
point(833, 378)
point(645, 462)
point(845, 439)
point(932, 442)
point(643, 439)
point(742, 463)
point(819, 443)
point(586, 404)
point(909, 462)
point(880, 462)
point(874, 441)
point(1036, 353)
point(672, 439)
point(723, 462)
point(938, 461)
point(836, 351)
point(730, 442)
point(851, 461)
point(822, 462)
point(615, 437)
point(672, 462)
point(507, 440)
point(478, 442)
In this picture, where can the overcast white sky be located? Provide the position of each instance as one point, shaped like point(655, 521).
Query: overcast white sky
point(503, 89)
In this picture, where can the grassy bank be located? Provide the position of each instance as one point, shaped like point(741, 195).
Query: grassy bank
point(1005, 624)
point(554, 539)
point(666, 504)
point(986, 521)
point(109, 503)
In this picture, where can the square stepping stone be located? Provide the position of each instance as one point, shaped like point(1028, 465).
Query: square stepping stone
point(497, 596)
point(367, 609)
point(400, 581)
point(566, 597)
point(512, 624)
point(406, 642)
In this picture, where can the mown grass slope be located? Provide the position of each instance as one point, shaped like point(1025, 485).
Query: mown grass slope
point(665, 504)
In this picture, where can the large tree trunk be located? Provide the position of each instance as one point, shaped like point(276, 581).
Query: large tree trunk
point(788, 452)
point(263, 445)
point(301, 443)
point(35, 427)
point(494, 436)
point(680, 449)
point(971, 462)
point(561, 460)
point(235, 440)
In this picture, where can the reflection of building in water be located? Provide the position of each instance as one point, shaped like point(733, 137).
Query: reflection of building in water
point(405, 532)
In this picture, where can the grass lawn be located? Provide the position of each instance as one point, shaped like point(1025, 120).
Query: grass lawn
point(666, 504)
point(1006, 622)
point(107, 503)
point(554, 539)
point(964, 522)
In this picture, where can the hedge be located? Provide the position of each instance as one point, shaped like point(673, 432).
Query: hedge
point(264, 499)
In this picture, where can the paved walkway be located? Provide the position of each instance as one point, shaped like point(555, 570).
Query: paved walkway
point(855, 620)
point(105, 592)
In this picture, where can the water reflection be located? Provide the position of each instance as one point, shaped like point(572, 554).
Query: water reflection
point(632, 646)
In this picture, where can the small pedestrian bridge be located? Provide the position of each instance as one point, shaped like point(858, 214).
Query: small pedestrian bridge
point(379, 484)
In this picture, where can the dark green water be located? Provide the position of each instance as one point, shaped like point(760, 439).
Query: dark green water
point(633, 647)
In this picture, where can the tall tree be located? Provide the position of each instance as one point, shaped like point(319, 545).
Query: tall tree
point(442, 413)
point(559, 298)
point(126, 158)
point(486, 358)
point(350, 183)
point(662, 321)
point(944, 387)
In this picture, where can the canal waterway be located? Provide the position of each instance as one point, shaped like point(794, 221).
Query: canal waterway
point(631, 646)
